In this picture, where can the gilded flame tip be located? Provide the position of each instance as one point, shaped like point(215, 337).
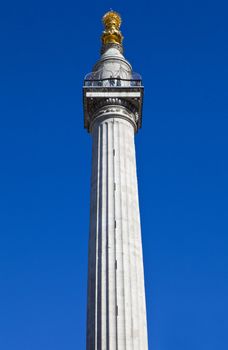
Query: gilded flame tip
point(112, 34)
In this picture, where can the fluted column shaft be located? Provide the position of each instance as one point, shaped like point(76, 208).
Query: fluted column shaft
point(116, 314)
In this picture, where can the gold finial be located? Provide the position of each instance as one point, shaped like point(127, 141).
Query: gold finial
point(112, 33)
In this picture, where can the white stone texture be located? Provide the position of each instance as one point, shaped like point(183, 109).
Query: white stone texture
point(116, 311)
point(113, 64)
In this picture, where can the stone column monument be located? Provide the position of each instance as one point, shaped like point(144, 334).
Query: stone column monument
point(113, 94)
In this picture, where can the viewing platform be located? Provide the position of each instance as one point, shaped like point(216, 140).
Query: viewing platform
point(98, 92)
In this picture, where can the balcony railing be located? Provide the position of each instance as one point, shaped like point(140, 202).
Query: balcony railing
point(112, 82)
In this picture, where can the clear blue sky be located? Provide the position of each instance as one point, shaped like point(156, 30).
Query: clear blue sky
point(181, 50)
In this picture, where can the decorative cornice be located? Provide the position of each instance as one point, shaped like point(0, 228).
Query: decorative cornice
point(129, 99)
point(95, 107)
point(114, 111)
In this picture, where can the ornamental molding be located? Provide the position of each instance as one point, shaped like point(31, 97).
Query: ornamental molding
point(113, 112)
point(106, 47)
point(128, 107)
